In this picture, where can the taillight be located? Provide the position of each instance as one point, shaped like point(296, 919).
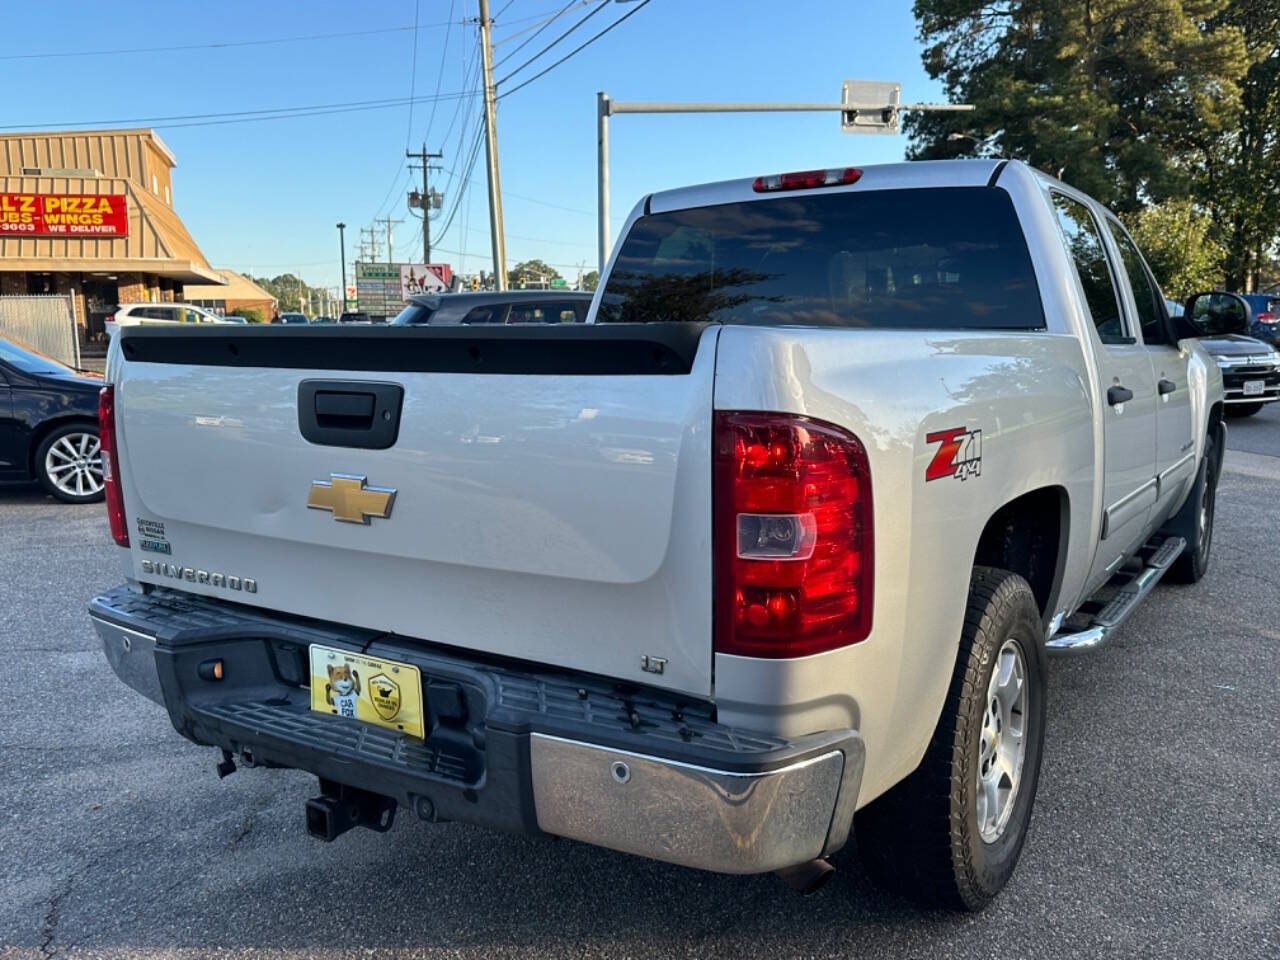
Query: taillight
point(793, 536)
point(806, 179)
point(1266, 317)
point(110, 467)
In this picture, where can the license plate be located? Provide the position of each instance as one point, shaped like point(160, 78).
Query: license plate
point(1254, 388)
point(385, 693)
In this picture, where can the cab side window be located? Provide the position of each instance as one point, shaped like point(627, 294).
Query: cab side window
point(1084, 243)
point(492, 314)
point(1145, 295)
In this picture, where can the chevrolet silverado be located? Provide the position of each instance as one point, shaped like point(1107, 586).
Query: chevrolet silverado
point(767, 556)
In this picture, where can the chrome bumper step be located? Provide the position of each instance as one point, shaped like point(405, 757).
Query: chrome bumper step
point(1098, 618)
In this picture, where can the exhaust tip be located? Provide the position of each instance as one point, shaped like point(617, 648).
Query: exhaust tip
point(807, 878)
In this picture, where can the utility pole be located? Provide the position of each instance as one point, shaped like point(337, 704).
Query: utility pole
point(369, 249)
point(491, 150)
point(425, 162)
point(388, 221)
point(342, 255)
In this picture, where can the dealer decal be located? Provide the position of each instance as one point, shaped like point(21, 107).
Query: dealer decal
point(959, 456)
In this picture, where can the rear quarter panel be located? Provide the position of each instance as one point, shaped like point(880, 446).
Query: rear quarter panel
point(1027, 395)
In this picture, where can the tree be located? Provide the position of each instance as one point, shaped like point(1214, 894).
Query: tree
point(534, 273)
point(1241, 165)
point(290, 292)
point(1176, 239)
point(591, 280)
point(1110, 95)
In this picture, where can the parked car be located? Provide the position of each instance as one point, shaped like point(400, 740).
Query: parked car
point(129, 314)
point(322, 319)
point(355, 316)
point(234, 318)
point(512, 306)
point(1266, 316)
point(49, 424)
point(785, 535)
point(291, 317)
point(1250, 367)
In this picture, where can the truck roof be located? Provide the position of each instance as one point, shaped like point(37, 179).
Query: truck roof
point(915, 173)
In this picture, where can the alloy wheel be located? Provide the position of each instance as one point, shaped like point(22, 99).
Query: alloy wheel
point(1002, 746)
point(74, 465)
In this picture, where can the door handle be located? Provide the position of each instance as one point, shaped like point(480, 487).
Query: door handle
point(1117, 395)
point(1166, 386)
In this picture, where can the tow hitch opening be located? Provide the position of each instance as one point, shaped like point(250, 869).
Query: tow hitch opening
point(339, 808)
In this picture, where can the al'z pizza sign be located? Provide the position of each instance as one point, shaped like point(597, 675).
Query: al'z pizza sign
point(64, 215)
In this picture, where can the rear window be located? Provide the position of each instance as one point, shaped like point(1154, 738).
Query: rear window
point(943, 257)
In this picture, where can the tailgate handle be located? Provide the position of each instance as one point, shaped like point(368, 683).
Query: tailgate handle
point(350, 413)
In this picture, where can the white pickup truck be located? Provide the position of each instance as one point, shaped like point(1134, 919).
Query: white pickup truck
point(773, 547)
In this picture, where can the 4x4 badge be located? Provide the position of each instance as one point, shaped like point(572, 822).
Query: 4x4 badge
point(350, 499)
point(960, 455)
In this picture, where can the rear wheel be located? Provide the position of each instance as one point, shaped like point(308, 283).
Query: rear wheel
point(69, 463)
point(951, 833)
point(1243, 409)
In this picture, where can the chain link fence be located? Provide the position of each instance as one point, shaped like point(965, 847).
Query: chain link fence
point(44, 323)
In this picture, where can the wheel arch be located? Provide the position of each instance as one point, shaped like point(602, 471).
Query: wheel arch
point(1028, 536)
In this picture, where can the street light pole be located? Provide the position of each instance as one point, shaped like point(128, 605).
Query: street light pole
point(342, 254)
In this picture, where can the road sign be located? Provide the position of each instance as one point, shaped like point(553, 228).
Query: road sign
point(876, 106)
point(559, 283)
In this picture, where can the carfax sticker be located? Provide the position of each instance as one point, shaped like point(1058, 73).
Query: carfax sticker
point(959, 456)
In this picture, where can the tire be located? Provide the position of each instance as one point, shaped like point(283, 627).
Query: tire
point(923, 838)
point(1242, 409)
point(68, 463)
point(1194, 519)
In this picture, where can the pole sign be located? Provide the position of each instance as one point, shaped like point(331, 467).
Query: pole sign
point(64, 215)
point(424, 278)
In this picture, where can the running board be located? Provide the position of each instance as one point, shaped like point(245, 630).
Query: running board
point(1131, 588)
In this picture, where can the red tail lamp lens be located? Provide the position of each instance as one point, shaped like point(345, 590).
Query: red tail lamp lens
point(794, 548)
point(111, 466)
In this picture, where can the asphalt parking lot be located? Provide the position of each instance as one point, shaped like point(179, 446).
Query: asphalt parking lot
point(1156, 831)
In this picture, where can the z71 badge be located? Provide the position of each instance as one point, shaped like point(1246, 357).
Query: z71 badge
point(960, 455)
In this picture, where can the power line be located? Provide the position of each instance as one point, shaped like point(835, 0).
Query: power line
point(238, 116)
point(444, 54)
point(546, 23)
point(581, 46)
point(413, 75)
point(554, 14)
point(209, 46)
point(592, 13)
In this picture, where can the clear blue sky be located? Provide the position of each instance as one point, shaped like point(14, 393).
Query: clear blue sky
point(264, 196)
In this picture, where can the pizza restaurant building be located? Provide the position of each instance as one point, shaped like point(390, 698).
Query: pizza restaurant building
point(89, 215)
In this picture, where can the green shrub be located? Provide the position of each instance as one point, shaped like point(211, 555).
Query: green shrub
point(249, 313)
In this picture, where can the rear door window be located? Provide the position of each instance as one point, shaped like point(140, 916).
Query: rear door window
point(943, 257)
point(1084, 243)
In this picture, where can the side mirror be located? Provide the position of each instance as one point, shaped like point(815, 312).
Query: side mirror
point(1216, 314)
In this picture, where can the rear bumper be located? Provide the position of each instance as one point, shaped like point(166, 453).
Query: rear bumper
point(628, 768)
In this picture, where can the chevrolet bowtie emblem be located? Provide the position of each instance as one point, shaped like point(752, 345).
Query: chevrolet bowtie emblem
point(350, 499)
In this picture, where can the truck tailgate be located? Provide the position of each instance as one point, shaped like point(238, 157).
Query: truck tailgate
point(561, 516)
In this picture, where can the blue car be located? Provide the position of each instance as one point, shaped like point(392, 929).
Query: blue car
point(1266, 316)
